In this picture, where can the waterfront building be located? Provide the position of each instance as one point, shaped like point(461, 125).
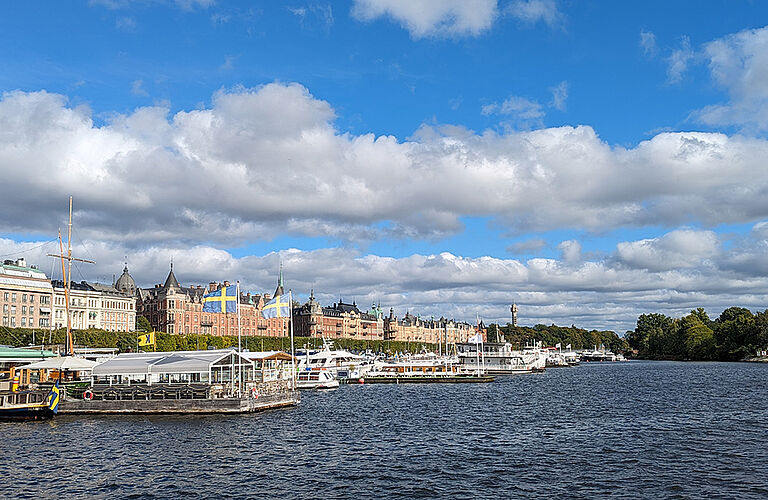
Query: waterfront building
point(93, 305)
point(341, 320)
point(175, 309)
point(414, 329)
point(25, 295)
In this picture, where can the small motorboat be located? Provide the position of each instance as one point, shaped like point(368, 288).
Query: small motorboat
point(316, 379)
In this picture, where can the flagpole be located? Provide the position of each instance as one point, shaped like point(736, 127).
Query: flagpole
point(290, 318)
point(239, 342)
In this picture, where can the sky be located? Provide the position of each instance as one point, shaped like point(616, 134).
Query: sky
point(589, 161)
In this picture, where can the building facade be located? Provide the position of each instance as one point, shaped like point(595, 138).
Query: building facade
point(174, 309)
point(341, 320)
point(25, 295)
point(94, 305)
point(432, 331)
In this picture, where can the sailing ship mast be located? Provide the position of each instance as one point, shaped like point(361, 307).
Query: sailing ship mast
point(69, 348)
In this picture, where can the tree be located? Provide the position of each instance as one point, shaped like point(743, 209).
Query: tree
point(142, 324)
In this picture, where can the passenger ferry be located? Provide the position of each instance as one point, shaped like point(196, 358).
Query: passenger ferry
point(499, 358)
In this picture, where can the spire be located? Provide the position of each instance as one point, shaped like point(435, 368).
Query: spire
point(171, 281)
point(280, 290)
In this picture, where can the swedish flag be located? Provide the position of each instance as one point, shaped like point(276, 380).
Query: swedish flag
point(279, 307)
point(53, 398)
point(221, 301)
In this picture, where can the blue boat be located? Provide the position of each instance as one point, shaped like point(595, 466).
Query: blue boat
point(29, 405)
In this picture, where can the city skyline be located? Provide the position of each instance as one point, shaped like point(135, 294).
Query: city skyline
point(588, 162)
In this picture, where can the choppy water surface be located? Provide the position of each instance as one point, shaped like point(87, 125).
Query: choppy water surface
point(638, 429)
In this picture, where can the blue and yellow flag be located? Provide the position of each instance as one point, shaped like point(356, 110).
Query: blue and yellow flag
point(221, 301)
point(53, 398)
point(147, 339)
point(279, 307)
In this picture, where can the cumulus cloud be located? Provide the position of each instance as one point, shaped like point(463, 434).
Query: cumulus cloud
point(533, 11)
point(426, 18)
point(268, 161)
point(739, 64)
point(672, 274)
point(683, 248)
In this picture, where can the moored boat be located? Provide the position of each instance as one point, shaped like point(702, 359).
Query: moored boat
point(316, 379)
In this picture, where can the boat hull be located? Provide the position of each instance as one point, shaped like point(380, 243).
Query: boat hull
point(25, 413)
point(424, 380)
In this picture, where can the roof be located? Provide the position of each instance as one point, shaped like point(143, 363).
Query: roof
point(71, 363)
point(267, 355)
point(171, 280)
point(21, 353)
point(163, 362)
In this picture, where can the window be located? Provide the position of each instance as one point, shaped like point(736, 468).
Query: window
point(13, 310)
point(23, 322)
point(5, 308)
point(13, 320)
point(5, 296)
point(13, 297)
point(24, 309)
point(31, 309)
point(44, 322)
point(24, 297)
point(5, 320)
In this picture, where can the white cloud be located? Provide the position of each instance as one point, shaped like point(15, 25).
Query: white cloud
point(532, 245)
point(559, 96)
point(677, 62)
point(683, 248)
point(137, 88)
point(570, 251)
point(533, 11)
point(648, 43)
point(739, 64)
point(427, 18)
point(672, 274)
point(266, 162)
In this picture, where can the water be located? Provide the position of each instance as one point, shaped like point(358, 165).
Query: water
point(628, 430)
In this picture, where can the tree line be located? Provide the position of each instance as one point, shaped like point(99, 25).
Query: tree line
point(735, 335)
point(128, 341)
point(578, 338)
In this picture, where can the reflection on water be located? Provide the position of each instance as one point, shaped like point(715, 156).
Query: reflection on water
point(639, 429)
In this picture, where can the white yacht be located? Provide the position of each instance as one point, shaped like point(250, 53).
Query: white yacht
point(316, 379)
point(340, 363)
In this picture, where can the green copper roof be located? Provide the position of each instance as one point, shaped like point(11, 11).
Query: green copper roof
point(18, 352)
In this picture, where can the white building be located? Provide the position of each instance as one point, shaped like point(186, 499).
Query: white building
point(25, 295)
point(93, 305)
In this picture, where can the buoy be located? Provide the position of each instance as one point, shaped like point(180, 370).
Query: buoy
point(362, 380)
point(88, 395)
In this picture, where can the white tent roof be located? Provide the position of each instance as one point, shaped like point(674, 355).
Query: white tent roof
point(164, 362)
point(63, 363)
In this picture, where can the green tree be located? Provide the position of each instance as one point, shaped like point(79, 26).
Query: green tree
point(142, 324)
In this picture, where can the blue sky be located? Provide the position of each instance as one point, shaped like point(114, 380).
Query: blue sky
point(588, 160)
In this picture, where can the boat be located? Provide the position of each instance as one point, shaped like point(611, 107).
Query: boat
point(499, 358)
point(340, 363)
point(427, 368)
point(29, 405)
point(316, 379)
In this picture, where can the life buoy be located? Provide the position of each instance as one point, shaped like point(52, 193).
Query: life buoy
point(88, 395)
point(255, 393)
